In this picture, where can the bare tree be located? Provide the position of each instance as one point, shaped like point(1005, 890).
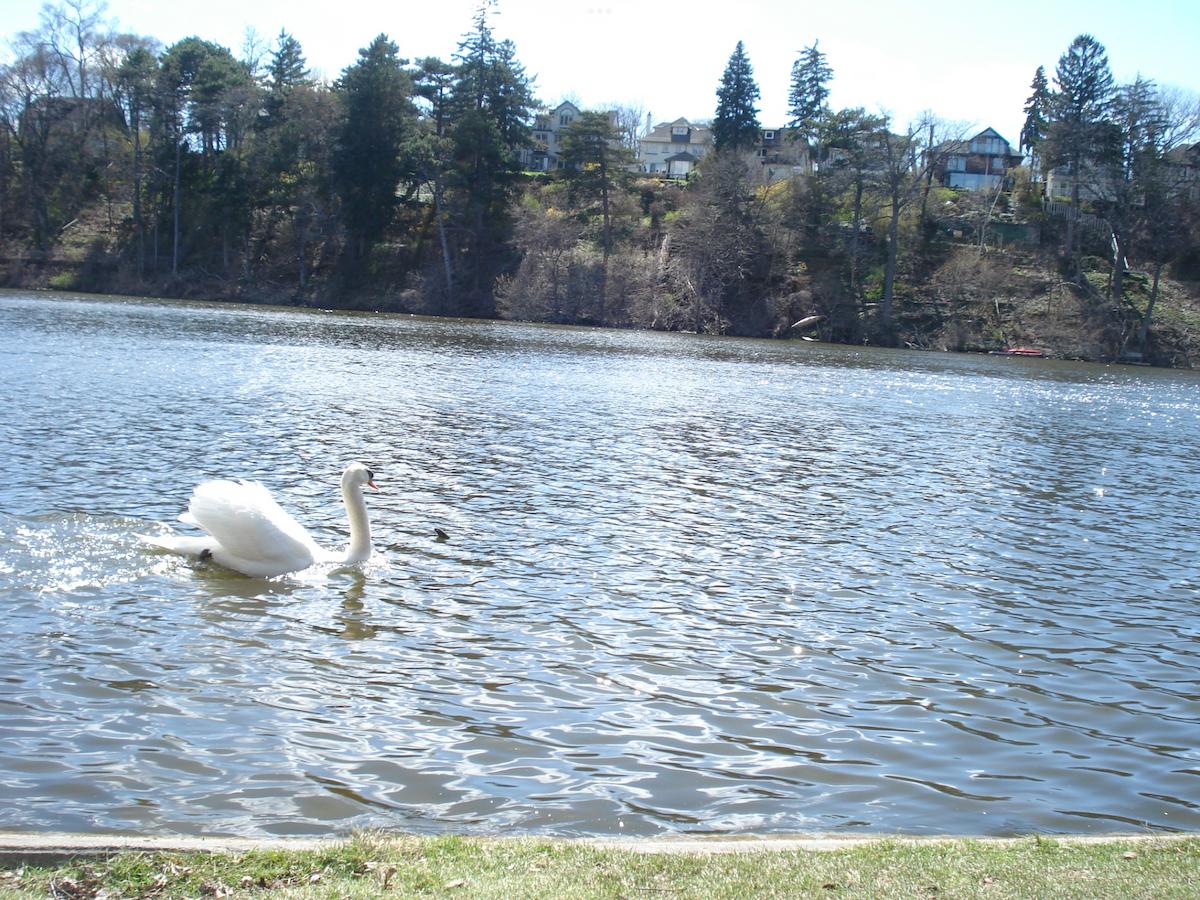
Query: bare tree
point(74, 33)
point(908, 161)
point(629, 120)
point(1158, 224)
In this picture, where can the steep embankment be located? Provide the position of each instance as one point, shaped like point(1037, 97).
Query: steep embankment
point(952, 298)
point(972, 301)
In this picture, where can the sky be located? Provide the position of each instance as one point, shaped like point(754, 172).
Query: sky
point(970, 63)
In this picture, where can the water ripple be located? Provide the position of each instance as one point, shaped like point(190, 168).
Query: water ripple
point(691, 585)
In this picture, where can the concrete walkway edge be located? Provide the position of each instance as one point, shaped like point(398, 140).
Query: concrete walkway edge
point(23, 848)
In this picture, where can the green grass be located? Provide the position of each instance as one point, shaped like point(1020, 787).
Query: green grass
point(482, 869)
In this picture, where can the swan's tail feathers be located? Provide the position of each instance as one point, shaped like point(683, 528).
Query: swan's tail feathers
point(184, 546)
point(244, 515)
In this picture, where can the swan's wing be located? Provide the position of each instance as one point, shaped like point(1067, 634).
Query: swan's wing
point(247, 522)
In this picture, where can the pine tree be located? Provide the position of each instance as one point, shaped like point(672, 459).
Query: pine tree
point(135, 85)
point(1081, 102)
point(287, 67)
point(594, 157)
point(736, 125)
point(1037, 108)
point(1135, 167)
point(807, 99)
point(1078, 131)
point(367, 162)
point(490, 107)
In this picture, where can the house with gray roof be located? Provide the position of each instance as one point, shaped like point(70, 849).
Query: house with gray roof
point(670, 149)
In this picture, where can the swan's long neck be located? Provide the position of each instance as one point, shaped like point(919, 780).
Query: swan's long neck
point(360, 525)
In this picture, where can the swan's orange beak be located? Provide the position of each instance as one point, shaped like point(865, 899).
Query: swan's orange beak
point(371, 482)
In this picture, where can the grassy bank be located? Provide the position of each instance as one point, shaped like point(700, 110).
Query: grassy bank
point(492, 869)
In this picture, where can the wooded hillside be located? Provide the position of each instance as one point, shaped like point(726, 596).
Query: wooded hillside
point(185, 171)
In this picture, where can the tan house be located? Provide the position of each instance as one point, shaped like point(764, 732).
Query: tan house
point(671, 149)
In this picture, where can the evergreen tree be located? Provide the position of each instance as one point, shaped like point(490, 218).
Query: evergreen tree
point(204, 96)
point(1135, 169)
point(1080, 104)
point(287, 66)
point(196, 79)
point(807, 99)
point(594, 159)
point(1078, 133)
point(1037, 108)
point(285, 72)
point(433, 83)
point(378, 117)
point(490, 107)
point(736, 125)
point(858, 136)
point(135, 80)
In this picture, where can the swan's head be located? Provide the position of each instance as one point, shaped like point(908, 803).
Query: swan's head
point(357, 475)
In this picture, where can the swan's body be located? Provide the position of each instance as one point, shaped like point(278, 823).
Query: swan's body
point(246, 530)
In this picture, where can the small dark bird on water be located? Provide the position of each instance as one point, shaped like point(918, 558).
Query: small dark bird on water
point(441, 535)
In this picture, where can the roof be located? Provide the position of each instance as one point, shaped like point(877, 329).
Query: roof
point(697, 134)
point(964, 146)
point(1185, 154)
point(991, 132)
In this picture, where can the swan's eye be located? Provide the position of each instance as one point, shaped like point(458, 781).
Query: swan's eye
point(370, 475)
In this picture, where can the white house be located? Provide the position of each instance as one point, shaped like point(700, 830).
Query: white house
point(670, 149)
point(547, 136)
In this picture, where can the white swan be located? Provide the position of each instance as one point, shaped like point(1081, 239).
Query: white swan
point(249, 532)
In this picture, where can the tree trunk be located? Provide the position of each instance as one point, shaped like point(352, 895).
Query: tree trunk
point(889, 278)
point(139, 226)
point(1118, 279)
point(175, 249)
point(858, 194)
point(303, 252)
point(607, 239)
point(1145, 330)
point(1073, 229)
point(925, 192)
point(437, 204)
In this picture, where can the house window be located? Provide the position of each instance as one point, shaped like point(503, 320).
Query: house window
point(768, 135)
point(956, 164)
point(564, 119)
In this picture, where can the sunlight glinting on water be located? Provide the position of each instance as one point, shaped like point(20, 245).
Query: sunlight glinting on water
point(691, 584)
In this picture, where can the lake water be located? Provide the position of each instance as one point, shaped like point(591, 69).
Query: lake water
point(692, 585)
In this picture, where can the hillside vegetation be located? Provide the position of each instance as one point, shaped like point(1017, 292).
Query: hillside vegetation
point(402, 186)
